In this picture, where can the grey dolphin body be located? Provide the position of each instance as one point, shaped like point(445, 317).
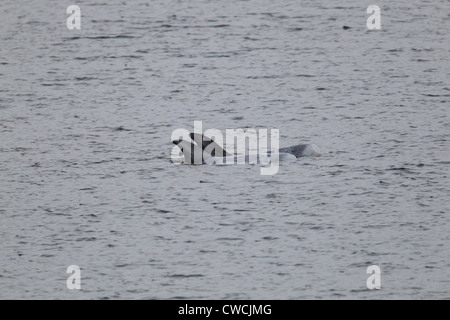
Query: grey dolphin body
point(254, 158)
point(300, 150)
point(193, 154)
point(297, 150)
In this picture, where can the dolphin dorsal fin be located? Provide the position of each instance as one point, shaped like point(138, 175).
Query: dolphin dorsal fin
point(209, 144)
point(192, 153)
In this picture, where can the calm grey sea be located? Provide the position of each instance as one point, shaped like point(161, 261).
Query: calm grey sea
point(86, 178)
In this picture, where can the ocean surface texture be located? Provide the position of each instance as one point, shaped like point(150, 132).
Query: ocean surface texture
point(86, 179)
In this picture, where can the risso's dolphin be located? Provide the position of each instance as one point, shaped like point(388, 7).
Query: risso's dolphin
point(303, 150)
point(194, 154)
point(299, 150)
